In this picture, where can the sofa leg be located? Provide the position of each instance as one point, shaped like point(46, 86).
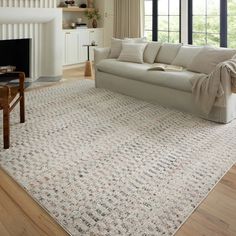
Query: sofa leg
point(6, 127)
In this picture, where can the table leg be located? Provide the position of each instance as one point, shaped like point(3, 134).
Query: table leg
point(88, 69)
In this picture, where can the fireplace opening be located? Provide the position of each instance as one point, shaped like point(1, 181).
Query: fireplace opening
point(16, 53)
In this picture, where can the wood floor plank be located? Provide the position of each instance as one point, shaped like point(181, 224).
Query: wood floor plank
point(11, 215)
point(3, 230)
point(28, 207)
point(216, 216)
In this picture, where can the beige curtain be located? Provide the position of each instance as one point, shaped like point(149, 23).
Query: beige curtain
point(127, 18)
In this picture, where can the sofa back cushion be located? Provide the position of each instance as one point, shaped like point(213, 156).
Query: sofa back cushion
point(209, 57)
point(132, 52)
point(151, 51)
point(116, 45)
point(185, 55)
point(168, 53)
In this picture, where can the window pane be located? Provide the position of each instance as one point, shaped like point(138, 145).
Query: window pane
point(199, 39)
point(213, 40)
point(168, 17)
point(206, 22)
point(213, 7)
point(148, 7)
point(162, 7)
point(199, 7)
point(232, 41)
point(148, 35)
point(163, 23)
point(163, 36)
point(174, 37)
point(213, 24)
point(174, 7)
point(148, 23)
point(232, 23)
point(199, 24)
point(174, 23)
point(232, 7)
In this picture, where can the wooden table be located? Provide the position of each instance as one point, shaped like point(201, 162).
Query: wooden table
point(88, 64)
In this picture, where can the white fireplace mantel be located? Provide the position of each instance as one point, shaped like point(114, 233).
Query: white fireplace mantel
point(49, 39)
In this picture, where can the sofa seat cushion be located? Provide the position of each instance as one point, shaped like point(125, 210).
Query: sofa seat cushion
point(174, 80)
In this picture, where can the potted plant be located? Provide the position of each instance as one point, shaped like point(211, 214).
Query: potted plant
point(93, 15)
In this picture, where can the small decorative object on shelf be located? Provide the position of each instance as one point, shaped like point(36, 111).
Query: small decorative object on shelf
point(83, 5)
point(70, 3)
point(93, 43)
point(93, 15)
point(90, 3)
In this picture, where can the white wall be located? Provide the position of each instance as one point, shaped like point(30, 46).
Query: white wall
point(106, 8)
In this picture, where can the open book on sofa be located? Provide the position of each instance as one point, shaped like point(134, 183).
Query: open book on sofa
point(165, 67)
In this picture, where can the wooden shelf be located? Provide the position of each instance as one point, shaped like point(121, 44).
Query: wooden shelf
point(75, 9)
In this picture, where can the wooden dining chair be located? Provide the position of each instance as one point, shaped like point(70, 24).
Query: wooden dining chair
point(10, 96)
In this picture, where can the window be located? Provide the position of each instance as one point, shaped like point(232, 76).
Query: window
point(206, 22)
point(231, 22)
point(162, 20)
point(168, 21)
point(148, 19)
point(212, 22)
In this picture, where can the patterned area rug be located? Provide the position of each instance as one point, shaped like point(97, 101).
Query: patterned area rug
point(106, 164)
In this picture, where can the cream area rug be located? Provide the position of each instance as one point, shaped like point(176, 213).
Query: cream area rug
point(102, 163)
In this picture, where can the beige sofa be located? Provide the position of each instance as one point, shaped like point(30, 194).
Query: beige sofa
point(168, 88)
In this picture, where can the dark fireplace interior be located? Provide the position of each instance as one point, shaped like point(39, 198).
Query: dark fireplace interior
point(16, 53)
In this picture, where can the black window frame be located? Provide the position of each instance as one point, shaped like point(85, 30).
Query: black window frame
point(155, 20)
point(223, 23)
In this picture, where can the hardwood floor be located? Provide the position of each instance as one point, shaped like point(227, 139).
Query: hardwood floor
point(20, 215)
point(216, 216)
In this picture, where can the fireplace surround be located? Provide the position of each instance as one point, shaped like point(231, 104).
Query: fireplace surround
point(44, 28)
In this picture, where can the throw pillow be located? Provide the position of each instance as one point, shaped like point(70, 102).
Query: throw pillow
point(186, 55)
point(209, 57)
point(151, 51)
point(168, 52)
point(116, 46)
point(132, 52)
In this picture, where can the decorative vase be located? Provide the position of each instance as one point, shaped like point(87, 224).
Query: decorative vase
point(94, 23)
point(90, 4)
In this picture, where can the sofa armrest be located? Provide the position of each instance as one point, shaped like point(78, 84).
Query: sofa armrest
point(100, 54)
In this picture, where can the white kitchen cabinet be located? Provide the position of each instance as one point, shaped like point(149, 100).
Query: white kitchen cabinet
point(70, 47)
point(95, 35)
point(74, 51)
point(83, 39)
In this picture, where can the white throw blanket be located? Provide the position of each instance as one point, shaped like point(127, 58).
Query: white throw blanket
point(207, 88)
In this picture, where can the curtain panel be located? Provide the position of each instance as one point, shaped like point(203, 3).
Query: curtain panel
point(127, 18)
